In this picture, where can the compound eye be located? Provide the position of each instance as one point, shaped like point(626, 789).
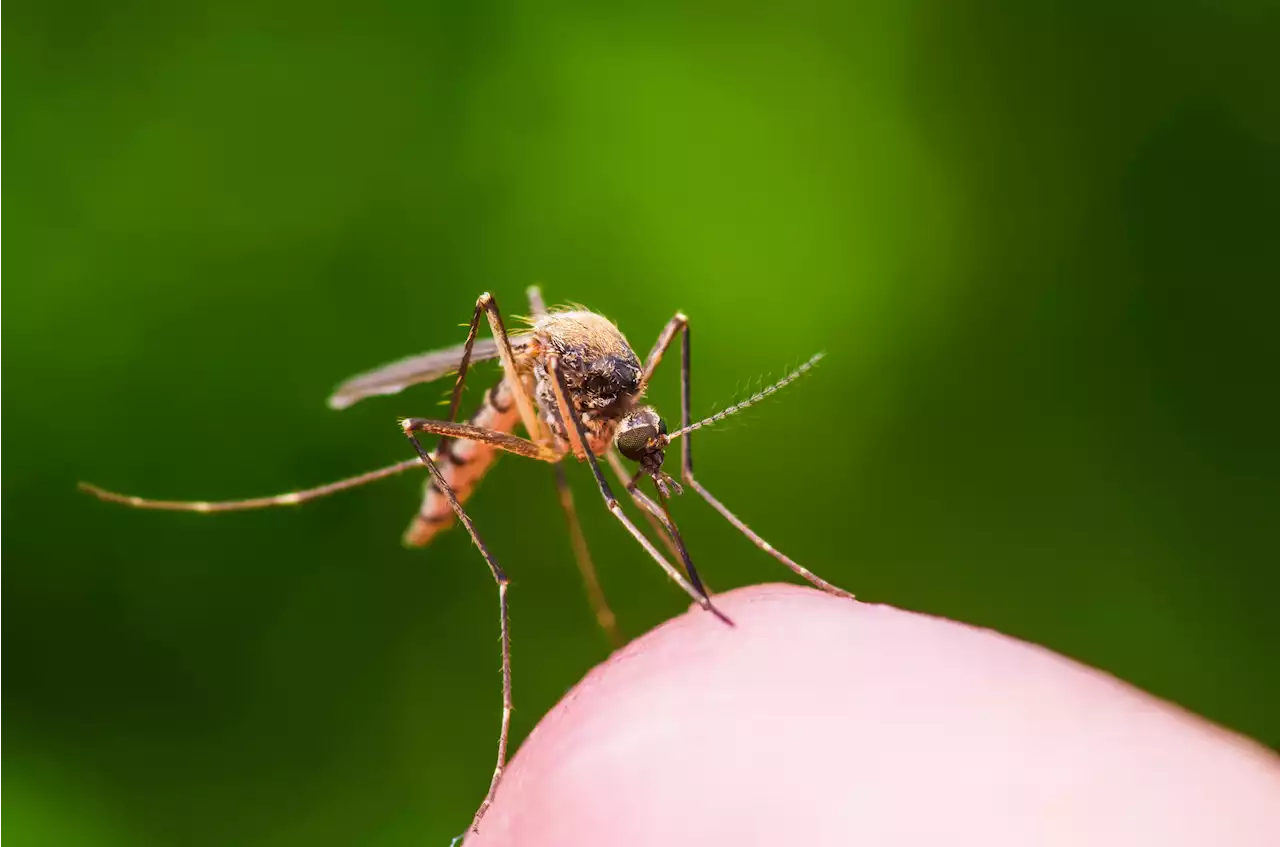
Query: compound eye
point(662, 426)
point(633, 443)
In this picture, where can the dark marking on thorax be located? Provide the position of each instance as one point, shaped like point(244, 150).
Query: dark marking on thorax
point(600, 369)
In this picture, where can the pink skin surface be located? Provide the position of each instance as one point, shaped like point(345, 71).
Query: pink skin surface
point(819, 721)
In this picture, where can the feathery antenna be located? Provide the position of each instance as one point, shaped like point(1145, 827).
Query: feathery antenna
point(750, 401)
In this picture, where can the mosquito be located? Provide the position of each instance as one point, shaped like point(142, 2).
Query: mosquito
point(574, 384)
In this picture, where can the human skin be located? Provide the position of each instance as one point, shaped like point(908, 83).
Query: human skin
point(822, 721)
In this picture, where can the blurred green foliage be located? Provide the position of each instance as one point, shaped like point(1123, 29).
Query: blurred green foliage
point(1037, 241)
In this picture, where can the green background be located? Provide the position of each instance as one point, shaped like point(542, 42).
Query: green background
point(1037, 241)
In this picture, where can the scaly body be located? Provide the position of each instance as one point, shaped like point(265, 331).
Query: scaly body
point(603, 373)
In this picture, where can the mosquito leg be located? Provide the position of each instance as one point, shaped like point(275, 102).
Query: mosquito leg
point(419, 531)
point(582, 555)
point(291, 498)
point(422, 518)
point(578, 438)
point(434, 514)
point(502, 440)
point(677, 324)
point(658, 515)
point(620, 471)
point(524, 403)
point(472, 329)
point(503, 622)
point(486, 305)
point(663, 517)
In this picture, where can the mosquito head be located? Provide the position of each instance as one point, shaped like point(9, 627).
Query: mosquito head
point(639, 438)
point(642, 437)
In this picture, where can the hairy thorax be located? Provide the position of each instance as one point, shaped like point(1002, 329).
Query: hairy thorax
point(600, 368)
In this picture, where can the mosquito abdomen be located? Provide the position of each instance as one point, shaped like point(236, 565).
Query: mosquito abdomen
point(462, 463)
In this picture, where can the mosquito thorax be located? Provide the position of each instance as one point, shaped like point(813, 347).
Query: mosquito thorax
point(600, 371)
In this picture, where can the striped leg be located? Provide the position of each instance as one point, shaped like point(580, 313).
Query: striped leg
point(668, 530)
point(500, 578)
point(680, 324)
point(581, 553)
point(292, 498)
point(629, 481)
point(489, 307)
point(578, 438)
point(426, 522)
point(502, 440)
point(463, 465)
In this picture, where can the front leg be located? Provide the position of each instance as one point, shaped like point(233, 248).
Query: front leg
point(524, 403)
point(504, 624)
point(502, 440)
point(487, 306)
point(578, 437)
point(680, 325)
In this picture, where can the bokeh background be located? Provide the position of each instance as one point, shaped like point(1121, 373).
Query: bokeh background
point(1037, 241)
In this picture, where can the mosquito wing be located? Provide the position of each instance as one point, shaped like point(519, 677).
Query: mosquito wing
point(399, 375)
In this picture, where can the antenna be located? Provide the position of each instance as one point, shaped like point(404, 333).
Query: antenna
point(750, 401)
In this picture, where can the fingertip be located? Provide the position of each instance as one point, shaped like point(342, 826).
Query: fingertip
point(816, 719)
